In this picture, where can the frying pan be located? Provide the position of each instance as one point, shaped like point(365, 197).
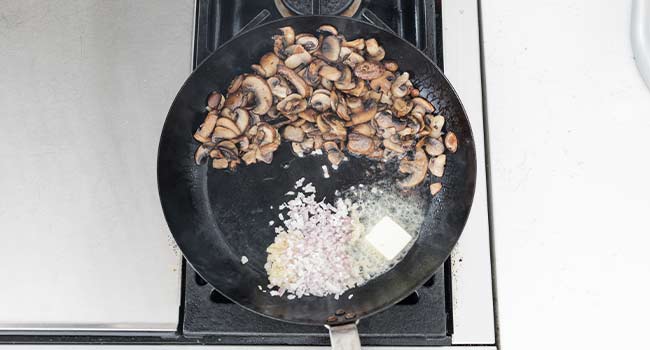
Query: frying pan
point(216, 217)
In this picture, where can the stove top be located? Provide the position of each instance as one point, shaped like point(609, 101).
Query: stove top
point(424, 317)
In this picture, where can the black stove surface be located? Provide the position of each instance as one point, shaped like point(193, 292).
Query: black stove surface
point(424, 317)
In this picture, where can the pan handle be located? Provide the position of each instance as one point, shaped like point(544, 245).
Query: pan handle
point(344, 337)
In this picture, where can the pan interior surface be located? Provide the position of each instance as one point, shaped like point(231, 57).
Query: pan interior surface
point(217, 217)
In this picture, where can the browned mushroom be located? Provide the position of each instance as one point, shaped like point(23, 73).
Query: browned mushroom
point(416, 168)
point(365, 115)
point(292, 104)
point(391, 65)
point(215, 101)
point(434, 147)
point(327, 29)
point(293, 133)
point(223, 133)
point(402, 107)
point(228, 124)
point(372, 47)
point(330, 48)
point(355, 104)
point(288, 35)
point(235, 100)
point(269, 64)
point(278, 86)
point(311, 75)
point(263, 96)
point(421, 107)
point(383, 83)
point(278, 46)
point(205, 130)
point(202, 152)
point(437, 165)
point(364, 129)
point(235, 84)
point(435, 123)
point(451, 142)
point(334, 155)
point(400, 87)
point(320, 100)
point(308, 115)
point(308, 41)
point(369, 70)
point(330, 73)
point(294, 79)
point(360, 144)
point(297, 56)
point(220, 163)
point(345, 82)
point(393, 145)
point(242, 120)
point(434, 188)
point(353, 59)
point(357, 44)
point(385, 120)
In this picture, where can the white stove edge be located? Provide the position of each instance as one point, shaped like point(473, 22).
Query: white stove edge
point(473, 307)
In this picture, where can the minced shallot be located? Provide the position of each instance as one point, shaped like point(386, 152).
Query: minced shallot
point(318, 250)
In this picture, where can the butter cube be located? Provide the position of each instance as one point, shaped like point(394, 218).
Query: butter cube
point(388, 238)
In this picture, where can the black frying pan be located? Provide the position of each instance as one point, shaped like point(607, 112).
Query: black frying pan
point(217, 217)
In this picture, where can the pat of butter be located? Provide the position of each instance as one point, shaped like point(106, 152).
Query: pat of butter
point(388, 238)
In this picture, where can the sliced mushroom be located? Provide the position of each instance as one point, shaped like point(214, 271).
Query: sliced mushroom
point(278, 46)
point(416, 168)
point(451, 142)
point(372, 47)
point(326, 84)
point(365, 115)
point(228, 124)
point(355, 104)
point(330, 48)
point(215, 101)
point(269, 64)
point(357, 44)
point(434, 188)
point(359, 90)
point(400, 88)
point(242, 120)
point(297, 57)
point(435, 123)
point(292, 104)
point(345, 82)
point(421, 106)
point(235, 84)
point(220, 163)
point(308, 41)
point(308, 115)
point(434, 147)
point(353, 59)
point(364, 129)
point(236, 100)
point(293, 133)
point(223, 133)
point(391, 65)
point(288, 35)
point(320, 100)
point(279, 88)
point(205, 130)
point(294, 79)
point(393, 146)
point(369, 70)
point(383, 83)
point(415, 92)
point(311, 76)
point(202, 152)
point(385, 120)
point(437, 165)
point(334, 155)
point(402, 107)
point(379, 56)
point(327, 29)
point(330, 73)
point(263, 96)
point(249, 157)
point(360, 144)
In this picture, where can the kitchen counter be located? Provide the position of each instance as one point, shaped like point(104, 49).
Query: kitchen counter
point(85, 89)
point(568, 119)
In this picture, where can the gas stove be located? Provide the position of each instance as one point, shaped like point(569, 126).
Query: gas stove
point(454, 307)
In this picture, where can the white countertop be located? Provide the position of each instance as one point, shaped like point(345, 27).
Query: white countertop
point(569, 119)
point(85, 87)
